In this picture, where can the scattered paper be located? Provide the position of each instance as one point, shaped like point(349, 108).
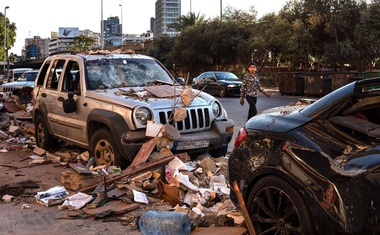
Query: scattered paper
point(139, 197)
point(7, 198)
point(184, 179)
point(176, 164)
point(52, 196)
point(153, 129)
point(25, 206)
point(76, 201)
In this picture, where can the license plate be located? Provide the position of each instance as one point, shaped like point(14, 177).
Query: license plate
point(190, 145)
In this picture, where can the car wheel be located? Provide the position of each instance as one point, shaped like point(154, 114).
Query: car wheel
point(44, 139)
point(103, 148)
point(276, 207)
point(222, 91)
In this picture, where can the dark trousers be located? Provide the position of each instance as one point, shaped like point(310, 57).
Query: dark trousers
point(252, 106)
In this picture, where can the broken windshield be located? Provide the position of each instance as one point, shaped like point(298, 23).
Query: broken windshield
point(122, 72)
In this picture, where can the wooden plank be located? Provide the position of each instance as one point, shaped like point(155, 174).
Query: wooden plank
point(130, 171)
point(144, 152)
point(246, 216)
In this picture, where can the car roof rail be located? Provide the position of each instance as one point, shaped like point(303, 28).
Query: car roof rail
point(63, 52)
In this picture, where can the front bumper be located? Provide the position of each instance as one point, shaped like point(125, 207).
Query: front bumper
point(219, 136)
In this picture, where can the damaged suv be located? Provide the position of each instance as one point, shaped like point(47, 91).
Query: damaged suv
point(104, 102)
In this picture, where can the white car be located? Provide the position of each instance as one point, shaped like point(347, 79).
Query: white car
point(25, 80)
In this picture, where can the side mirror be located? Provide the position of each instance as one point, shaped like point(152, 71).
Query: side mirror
point(69, 105)
point(181, 81)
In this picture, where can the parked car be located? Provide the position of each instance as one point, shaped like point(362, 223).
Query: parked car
point(14, 74)
point(313, 169)
point(25, 80)
point(106, 107)
point(218, 83)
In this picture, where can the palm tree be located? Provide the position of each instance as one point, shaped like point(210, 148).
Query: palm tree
point(186, 21)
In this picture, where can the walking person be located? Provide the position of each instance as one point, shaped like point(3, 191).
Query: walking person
point(250, 89)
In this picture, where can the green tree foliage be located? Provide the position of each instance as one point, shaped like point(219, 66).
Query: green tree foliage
point(367, 36)
point(162, 47)
point(213, 45)
point(11, 34)
point(187, 20)
point(81, 43)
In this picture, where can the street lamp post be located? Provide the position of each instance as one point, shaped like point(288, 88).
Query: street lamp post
point(5, 35)
point(221, 9)
point(121, 23)
point(102, 26)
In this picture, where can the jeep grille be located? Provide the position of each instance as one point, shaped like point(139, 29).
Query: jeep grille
point(8, 89)
point(197, 119)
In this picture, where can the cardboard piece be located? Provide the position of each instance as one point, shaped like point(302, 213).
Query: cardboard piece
point(113, 207)
point(163, 91)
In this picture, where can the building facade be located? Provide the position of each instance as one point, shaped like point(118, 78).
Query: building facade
point(35, 47)
point(167, 12)
point(112, 32)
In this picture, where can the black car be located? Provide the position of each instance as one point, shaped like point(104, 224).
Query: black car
point(218, 83)
point(313, 169)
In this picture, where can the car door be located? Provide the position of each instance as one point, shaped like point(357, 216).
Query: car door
point(212, 84)
point(204, 81)
point(65, 125)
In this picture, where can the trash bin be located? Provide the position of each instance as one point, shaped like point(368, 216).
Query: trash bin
point(317, 84)
point(340, 79)
point(371, 74)
point(291, 83)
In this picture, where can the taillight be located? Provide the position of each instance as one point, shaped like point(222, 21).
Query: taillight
point(240, 137)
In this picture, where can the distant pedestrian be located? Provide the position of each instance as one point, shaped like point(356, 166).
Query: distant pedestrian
point(250, 88)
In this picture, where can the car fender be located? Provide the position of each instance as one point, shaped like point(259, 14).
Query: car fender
point(114, 121)
point(40, 109)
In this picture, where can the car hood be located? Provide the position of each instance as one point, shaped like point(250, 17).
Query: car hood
point(18, 84)
point(133, 97)
point(279, 119)
point(231, 81)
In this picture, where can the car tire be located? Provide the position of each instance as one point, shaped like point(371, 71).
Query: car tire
point(222, 91)
point(104, 149)
point(43, 137)
point(269, 203)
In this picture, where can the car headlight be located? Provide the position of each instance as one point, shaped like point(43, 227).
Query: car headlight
point(143, 115)
point(232, 85)
point(216, 109)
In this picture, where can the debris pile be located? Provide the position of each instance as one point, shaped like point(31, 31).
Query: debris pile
point(155, 181)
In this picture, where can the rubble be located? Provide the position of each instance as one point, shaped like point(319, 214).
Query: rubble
point(156, 180)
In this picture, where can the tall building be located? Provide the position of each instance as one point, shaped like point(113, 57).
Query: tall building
point(36, 47)
point(167, 12)
point(112, 32)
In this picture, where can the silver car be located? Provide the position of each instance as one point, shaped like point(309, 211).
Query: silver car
point(107, 107)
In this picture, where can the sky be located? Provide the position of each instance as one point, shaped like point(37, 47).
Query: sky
point(41, 17)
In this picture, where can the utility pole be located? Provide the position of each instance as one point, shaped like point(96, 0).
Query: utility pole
point(121, 24)
point(5, 36)
point(221, 10)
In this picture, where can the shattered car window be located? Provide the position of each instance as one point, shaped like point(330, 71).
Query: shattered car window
point(112, 73)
